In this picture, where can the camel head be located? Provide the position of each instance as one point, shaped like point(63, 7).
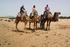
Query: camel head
point(56, 15)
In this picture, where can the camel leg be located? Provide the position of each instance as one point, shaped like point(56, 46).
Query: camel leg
point(17, 25)
point(29, 25)
point(42, 24)
point(48, 25)
point(25, 24)
point(36, 25)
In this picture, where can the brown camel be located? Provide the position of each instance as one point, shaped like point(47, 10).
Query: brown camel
point(18, 19)
point(34, 19)
point(26, 19)
point(49, 18)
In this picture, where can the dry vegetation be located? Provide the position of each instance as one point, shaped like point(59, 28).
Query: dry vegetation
point(58, 36)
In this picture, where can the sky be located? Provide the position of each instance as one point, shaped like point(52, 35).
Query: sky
point(12, 7)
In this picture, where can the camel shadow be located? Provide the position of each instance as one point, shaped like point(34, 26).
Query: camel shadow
point(18, 31)
point(38, 28)
point(21, 31)
point(32, 30)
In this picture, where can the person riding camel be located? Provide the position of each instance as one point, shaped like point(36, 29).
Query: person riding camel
point(44, 16)
point(47, 9)
point(34, 11)
point(23, 12)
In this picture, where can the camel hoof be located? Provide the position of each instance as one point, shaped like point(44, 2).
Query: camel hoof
point(29, 28)
point(47, 29)
point(17, 30)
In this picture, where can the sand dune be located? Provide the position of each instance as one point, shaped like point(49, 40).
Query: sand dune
point(58, 36)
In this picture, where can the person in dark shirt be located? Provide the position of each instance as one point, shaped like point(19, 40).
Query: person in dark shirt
point(22, 9)
point(23, 12)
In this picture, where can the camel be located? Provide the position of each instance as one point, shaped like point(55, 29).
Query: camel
point(18, 19)
point(27, 19)
point(34, 19)
point(49, 18)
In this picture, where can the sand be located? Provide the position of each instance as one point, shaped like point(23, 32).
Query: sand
point(57, 36)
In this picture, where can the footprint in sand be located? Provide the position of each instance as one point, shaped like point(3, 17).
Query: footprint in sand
point(9, 43)
point(5, 41)
point(33, 46)
point(55, 34)
point(0, 44)
point(59, 34)
point(37, 34)
point(21, 34)
point(68, 45)
point(66, 40)
point(46, 36)
point(45, 45)
point(67, 37)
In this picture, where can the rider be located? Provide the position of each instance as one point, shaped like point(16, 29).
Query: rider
point(47, 9)
point(22, 11)
point(34, 11)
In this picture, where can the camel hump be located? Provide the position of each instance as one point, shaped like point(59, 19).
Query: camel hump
point(50, 15)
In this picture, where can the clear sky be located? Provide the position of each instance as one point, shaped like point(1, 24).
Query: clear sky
point(12, 7)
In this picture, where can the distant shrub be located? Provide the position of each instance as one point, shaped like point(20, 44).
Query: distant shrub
point(63, 17)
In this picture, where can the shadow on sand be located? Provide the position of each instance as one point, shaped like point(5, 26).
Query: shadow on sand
point(27, 30)
point(24, 31)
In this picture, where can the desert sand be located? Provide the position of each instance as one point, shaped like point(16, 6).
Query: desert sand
point(57, 36)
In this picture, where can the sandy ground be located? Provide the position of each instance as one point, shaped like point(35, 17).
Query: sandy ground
point(58, 36)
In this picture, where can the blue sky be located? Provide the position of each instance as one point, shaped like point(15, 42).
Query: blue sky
point(11, 7)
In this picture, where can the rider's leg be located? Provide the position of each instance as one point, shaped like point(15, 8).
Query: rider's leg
point(21, 15)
